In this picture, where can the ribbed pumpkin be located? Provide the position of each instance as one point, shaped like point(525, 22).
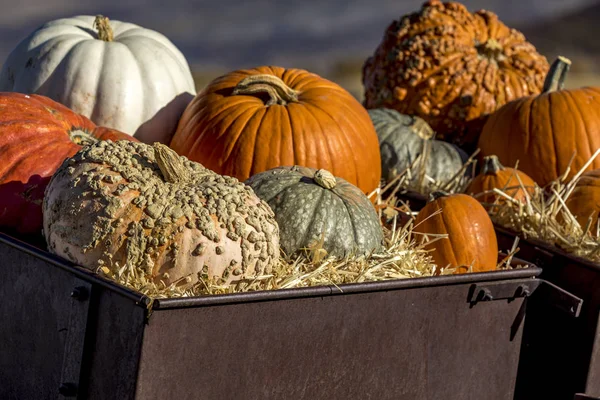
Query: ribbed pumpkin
point(452, 68)
point(402, 138)
point(36, 135)
point(118, 74)
point(543, 132)
point(584, 201)
point(471, 236)
point(249, 121)
point(312, 206)
point(494, 175)
point(123, 204)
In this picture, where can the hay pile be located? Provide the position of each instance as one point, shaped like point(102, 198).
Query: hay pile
point(545, 216)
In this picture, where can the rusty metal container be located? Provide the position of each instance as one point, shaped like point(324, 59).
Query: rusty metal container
point(561, 356)
point(67, 333)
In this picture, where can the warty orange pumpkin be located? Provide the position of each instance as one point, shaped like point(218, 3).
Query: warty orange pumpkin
point(494, 175)
point(543, 132)
point(253, 120)
point(36, 135)
point(471, 237)
point(452, 68)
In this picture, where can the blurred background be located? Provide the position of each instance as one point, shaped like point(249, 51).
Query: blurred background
point(328, 37)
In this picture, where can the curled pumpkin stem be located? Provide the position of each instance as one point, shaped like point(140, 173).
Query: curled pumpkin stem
point(422, 128)
point(105, 31)
point(278, 91)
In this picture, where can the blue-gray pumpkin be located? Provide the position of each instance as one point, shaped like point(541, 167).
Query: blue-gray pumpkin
point(403, 137)
point(313, 206)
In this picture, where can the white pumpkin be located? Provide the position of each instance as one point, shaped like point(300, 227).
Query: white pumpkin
point(118, 74)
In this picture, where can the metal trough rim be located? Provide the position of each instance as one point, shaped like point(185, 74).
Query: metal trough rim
point(268, 295)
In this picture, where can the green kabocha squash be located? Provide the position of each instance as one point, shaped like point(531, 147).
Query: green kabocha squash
point(312, 206)
point(403, 137)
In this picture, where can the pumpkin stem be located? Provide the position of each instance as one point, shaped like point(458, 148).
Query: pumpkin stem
point(278, 91)
point(105, 31)
point(81, 137)
point(491, 49)
point(555, 80)
point(325, 179)
point(422, 128)
point(438, 194)
point(170, 164)
point(491, 165)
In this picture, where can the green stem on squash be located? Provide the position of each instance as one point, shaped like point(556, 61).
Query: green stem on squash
point(492, 49)
point(325, 179)
point(278, 91)
point(555, 79)
point(170, 164)
point(105, 31)
point(491, 165)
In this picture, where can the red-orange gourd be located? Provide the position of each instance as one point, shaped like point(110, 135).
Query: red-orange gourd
point(494, 175)
point(471, 237)
point(452, 68)
point(543, 132)
point(584, 201)
point(36, 135)
point(253, 120)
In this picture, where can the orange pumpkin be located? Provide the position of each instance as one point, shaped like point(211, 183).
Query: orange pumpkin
point(452, 68)
point(543, 132)
point(471, 237)
point(494, 175)
point(253, 120)
point(584, 201)
point(36, 135)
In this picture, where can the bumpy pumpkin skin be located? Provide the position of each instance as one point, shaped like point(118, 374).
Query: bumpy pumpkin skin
point(123, 203)
point(452, 68)
point(36, 135)
point(471, 235)
point(138, 82)
point(311, 121)
point(310, 210)
point(494, 175)
point(403, 137)
point(584, 201)
point(542, 132)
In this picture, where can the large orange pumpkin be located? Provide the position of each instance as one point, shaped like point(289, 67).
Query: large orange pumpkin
point(543, 132)
point(36, 135)
point(584, 201)
point(250, 121)
point(452, 68)
point(471, 237)
point(494, 175)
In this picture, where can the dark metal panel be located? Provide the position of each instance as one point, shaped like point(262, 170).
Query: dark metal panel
point(114, 345)
point(592, 386)
point(43, 327)
point(420, 343)
point(558, 352)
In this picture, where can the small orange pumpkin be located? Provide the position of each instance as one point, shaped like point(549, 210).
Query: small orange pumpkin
point(253, 120)
point(471, 236)
point(542, 132)
point(494, 175)
point(584, 201)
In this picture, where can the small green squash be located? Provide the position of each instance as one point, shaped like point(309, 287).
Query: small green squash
point(403, 137)
point(312, 206)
